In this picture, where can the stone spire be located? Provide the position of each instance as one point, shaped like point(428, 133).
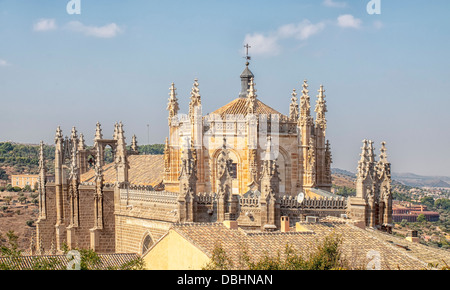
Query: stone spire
point(116, 131)
point(246, 76)
point(371, 152)
point(195, 100)
point(383, 166)
point(81, 143)
point(172, 106)
point(383, 154)
point(42, 167)
point(73, 135)
point(321, 109)
point(366, 174)
point(293, 108)
point(58, 135)
point(134, 145)
point(251, 98)
point(121, 160)
point(98, 132)
point(364, 160)
point(305, 107)
point(42, 182)
point(384, 185)
point(73, 175)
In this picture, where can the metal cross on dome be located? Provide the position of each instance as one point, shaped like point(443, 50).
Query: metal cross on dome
point(247, 56)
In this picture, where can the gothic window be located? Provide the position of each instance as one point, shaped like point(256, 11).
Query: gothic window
point(146, 244)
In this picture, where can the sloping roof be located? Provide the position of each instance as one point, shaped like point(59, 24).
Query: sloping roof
point(239, 107)
point(247, 73)
point(60, 262)
point(144, 170)
point(319, 193)
point(357, 243)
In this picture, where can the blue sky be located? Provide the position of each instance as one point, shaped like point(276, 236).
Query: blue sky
point(386, 75)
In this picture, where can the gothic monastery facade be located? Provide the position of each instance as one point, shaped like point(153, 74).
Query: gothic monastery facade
point(245, 162)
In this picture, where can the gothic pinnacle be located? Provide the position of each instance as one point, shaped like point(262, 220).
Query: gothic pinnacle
point(98, 132)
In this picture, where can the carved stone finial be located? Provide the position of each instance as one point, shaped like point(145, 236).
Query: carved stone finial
point(134, 144)
point(59, 135)
point(293, 108)
point(172, 106)
point(98, 132)
point(305, 107)
point(116, 131)
point(195, 100)
point(81, 143)
point(321, 109)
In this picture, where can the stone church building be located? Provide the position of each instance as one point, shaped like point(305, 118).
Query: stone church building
point(244, 162)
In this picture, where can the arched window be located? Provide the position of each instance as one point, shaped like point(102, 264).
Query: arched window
point(148, 242)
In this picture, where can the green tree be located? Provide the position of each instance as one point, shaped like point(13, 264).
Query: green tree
point(443, 203)
point(427, 200)
point(3, 175)
point(326, 257)
point(22, 199)
point(421, 218)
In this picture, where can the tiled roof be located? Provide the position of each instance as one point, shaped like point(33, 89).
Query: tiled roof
point(357, 243)
point(107, 261)
point(144, 170)
point(239, 107)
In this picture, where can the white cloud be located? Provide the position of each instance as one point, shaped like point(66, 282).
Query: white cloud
point(4, 63)
point(106, 31)
point(263, 45)
point(301, 31)
point(378, 24)
point(268, 45)
point(332, 3)
point(45, 25)
point(349, 21)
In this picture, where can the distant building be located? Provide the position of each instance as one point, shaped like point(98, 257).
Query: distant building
point(24, 180)
point(410, 212)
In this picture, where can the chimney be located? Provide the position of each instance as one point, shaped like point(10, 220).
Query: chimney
point(412, 236)
point(285, 224)
point(230, 221)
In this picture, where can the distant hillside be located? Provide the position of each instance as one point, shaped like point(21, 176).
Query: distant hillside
point(343, 178)
point(342, 172)
point(408, 179)
point(415, 180)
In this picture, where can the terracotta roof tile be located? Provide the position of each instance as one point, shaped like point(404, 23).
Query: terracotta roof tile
point(357, 243)
point(238, 107)
point(144, 170)
point(107, 261)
